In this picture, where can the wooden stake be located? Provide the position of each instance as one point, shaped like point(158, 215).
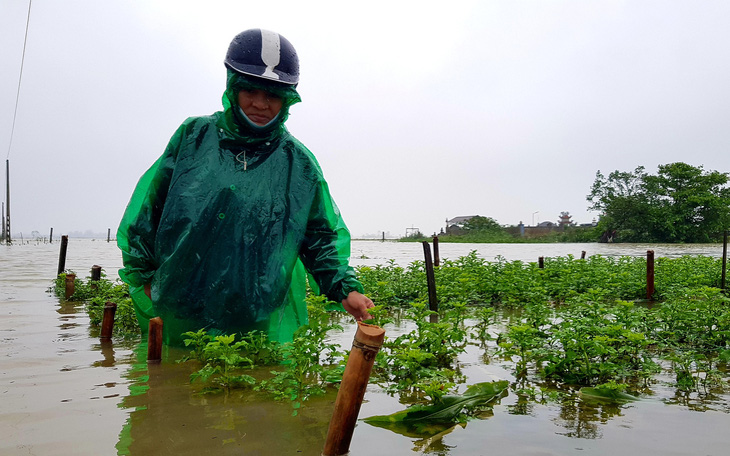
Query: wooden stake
point(724, 260)
point(107, 322)
point(650, 275)
point(436, 258)
point(154, 341)
point(541, 262)
point(367, 342)
point(583, 255)
point(433, 303)
point(62, 254)
point(70, 285)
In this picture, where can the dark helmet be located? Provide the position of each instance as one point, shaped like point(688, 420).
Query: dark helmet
point(264, 54)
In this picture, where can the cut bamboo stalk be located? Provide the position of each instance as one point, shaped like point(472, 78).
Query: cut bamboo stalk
point(433, 303)
point(649, 275)
point(70, 285)
point(154, 341)
point(367, 343)
point(62, 254)
point(107, 322)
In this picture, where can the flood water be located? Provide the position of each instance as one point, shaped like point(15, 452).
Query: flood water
point(62, 392)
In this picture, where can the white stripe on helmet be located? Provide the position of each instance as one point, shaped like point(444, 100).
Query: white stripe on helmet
point(270, 53)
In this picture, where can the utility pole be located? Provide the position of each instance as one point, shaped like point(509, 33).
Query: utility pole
point(6, 222)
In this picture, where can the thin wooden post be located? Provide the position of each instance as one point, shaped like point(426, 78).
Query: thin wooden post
point(436, 258)
point(541, 262)
point(50, 237)
point(367, 343)
point(62, 254)
point(430, 280)
point(107, 322)
point(724, 260)
point(583, 255)
point(154, 341)
point(96, 273)
point(649, 275)
point(6, 222)
point(108, 234)
point(70, 285)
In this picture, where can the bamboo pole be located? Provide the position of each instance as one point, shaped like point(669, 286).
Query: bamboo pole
point(436, 257)
point(154, 341)
point(433, 303)
point(70, 285)
point(649, 274)
point(367, 342)
point(107, 322)
point(62, 254)
point(724, 260)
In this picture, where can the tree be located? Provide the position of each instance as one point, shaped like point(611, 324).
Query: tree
point(681, 203)
point(479, 223)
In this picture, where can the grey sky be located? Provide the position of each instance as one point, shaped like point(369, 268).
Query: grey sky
point(417, 111)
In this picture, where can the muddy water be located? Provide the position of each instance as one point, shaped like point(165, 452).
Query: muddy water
point(62, 392)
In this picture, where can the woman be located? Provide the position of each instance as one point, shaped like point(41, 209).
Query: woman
point(223, 229)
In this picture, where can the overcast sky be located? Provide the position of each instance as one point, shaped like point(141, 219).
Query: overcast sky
point(417, 111)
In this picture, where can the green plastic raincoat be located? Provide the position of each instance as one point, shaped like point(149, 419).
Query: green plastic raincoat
point(225, 223)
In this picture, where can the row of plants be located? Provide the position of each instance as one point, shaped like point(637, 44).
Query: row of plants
point(94, 294)
point(573, 323)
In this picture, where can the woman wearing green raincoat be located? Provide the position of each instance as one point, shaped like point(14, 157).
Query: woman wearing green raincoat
point(222, 230)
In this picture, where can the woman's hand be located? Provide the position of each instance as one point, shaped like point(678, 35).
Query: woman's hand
point(357, 305)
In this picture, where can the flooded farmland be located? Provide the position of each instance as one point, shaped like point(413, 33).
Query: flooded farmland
point(62, 391)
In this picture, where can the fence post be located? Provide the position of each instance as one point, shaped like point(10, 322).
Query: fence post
point(107, 322)
point(70, 285)
point(649, 275)
point(367, 342)
point(62, 254)
point(724, 260)
point(430, 281)
point(154, 341)
point(436, 258)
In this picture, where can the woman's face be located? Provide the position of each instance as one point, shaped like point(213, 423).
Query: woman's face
point(259, 106)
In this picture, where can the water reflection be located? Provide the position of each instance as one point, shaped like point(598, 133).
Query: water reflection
point(168, 415)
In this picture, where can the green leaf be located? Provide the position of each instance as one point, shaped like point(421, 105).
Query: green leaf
point(419, 420)
point(607, 394)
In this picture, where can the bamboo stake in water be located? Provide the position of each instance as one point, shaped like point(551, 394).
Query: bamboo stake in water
point(724, 260)
point(70, 285)
point(367, 342)
point(62, 254)
point(107, 321)
point(154, 341)
point(433, 303)
point(649, 274)
point(436, 256)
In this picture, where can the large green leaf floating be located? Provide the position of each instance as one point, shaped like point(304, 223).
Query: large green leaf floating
point(425, 420)
point(607, 394)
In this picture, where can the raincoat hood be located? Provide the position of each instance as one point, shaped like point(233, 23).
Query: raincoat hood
point(244, 132)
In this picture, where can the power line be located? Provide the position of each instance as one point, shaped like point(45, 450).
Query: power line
point(20, 78)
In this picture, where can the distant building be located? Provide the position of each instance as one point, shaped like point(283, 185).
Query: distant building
point(456, 224)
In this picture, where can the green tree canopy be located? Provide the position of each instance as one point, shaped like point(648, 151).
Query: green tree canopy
point(681, 203)
point(479, 223)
